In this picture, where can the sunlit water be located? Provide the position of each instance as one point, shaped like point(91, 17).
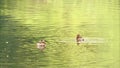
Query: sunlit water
point(23, 23)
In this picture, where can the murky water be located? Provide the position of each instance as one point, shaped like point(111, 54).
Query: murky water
point(24, 22)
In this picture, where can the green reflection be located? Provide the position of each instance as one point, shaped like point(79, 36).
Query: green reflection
point(24, 22)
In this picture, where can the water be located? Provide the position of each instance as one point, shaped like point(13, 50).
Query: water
point(23, 23)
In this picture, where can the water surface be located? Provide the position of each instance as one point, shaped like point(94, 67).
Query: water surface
point(24, 22)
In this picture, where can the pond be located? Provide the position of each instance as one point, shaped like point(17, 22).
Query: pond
point(24, 22)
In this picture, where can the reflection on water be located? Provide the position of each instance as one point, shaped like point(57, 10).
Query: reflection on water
point(23, 23)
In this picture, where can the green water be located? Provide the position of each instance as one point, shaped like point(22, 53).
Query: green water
point(24, 22)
